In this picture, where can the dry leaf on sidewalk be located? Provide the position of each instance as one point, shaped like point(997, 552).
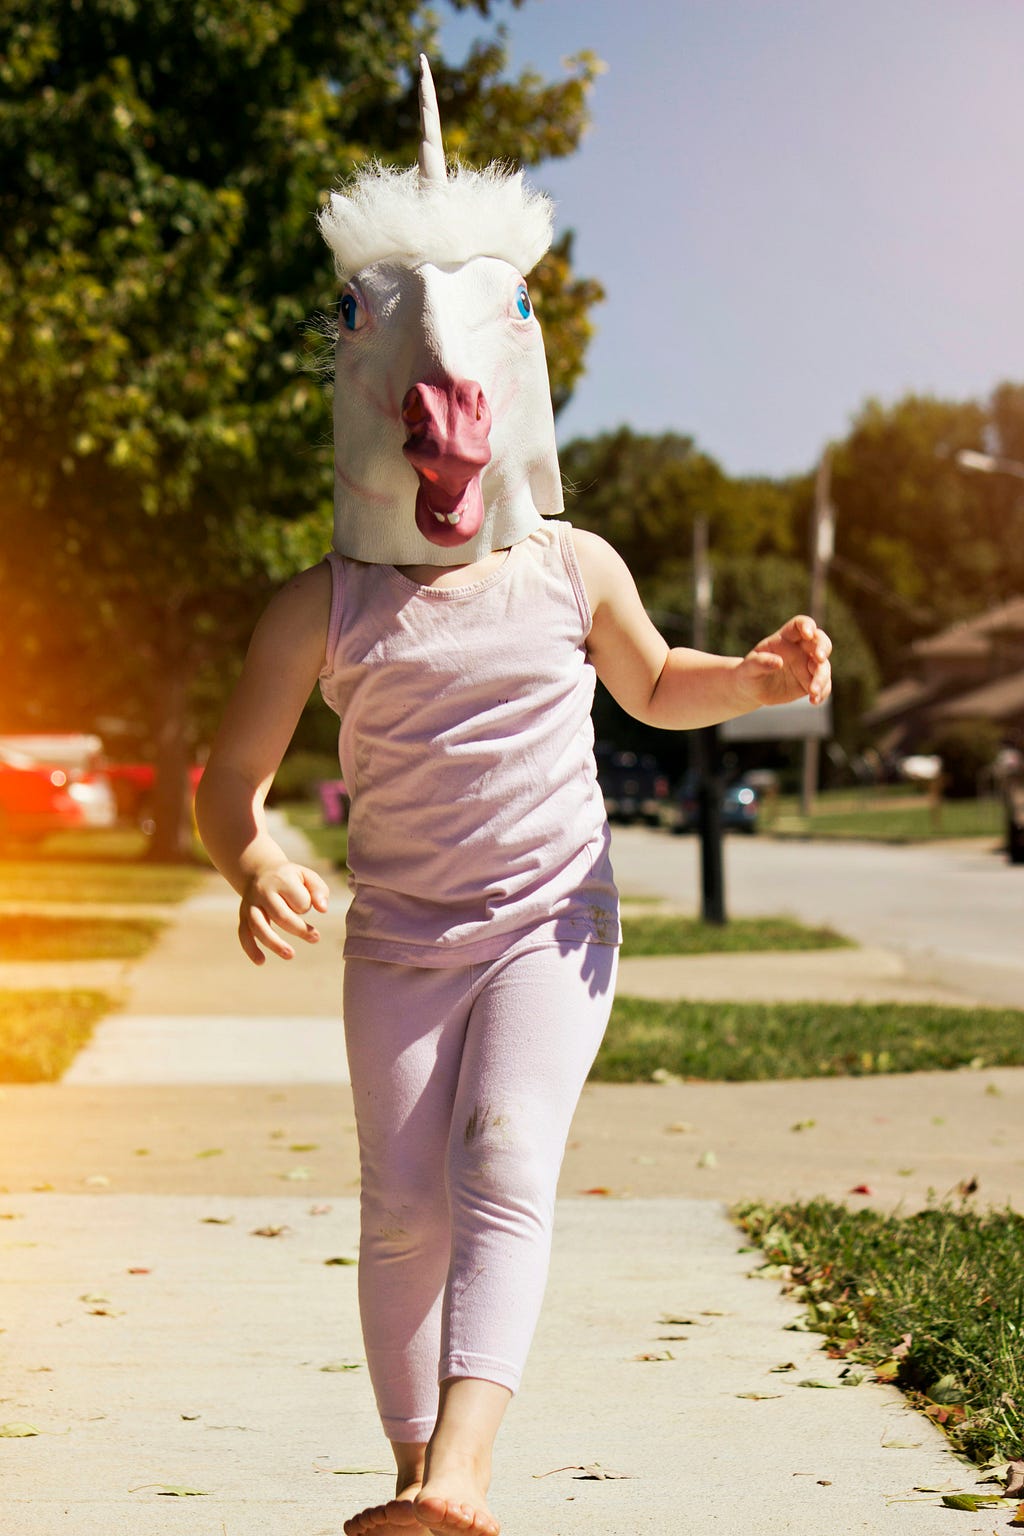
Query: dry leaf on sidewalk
point(594, 1472)
point(1014, 1479)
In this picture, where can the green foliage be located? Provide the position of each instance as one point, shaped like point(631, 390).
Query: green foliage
point(934, 1300)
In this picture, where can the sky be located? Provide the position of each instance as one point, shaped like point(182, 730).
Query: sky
point(793, 205)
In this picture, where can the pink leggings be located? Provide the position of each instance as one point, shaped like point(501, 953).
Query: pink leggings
point(465, 1081)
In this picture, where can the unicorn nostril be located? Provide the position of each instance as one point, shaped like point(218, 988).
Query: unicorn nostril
point(413, 409)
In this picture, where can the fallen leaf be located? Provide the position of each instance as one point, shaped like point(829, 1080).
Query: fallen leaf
point(901, 1445)
point(665, 1354)
point(269, 1231)
point(341, 1261)
point(141, 1151)
point(713, 1312)
point(804, 1125)
point(17, 1431)
point(138, 1270)
point(707, 1160)
point(813, 1382)
point(679, 1128)
point(217, 1221)
point(211, 1152)
point(993, 1091)
point(1018, 1518)
point(598, 1189)
point(11, 1215)
point(673, 1338)
point(341, 1365)
point(172, 1491)
point(824, 1482)
point(1014, 1479)
point(967, 1187)
point(354, 1471)
point(970, 1501)
point(593, 1471)
point(96, 1181)
point(297, 1174)
point(862, 1189)
point(900, 1350)
point(320, 1210)
point(778, 1369)
point(190, 1418)
point(669, 1321)
point(758, 1397)
point(96, 1298)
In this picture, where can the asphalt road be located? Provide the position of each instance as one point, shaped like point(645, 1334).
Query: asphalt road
point(955, 911)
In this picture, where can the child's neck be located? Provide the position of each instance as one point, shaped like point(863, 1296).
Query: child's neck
point(454, 575)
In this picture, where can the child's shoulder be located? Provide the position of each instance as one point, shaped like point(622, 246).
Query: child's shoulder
point(301, 609)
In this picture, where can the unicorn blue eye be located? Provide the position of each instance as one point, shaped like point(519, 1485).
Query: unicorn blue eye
point(353, 315)
point(523, 304)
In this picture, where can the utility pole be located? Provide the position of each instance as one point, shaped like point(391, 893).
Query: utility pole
point(709, 783)
point(823, 535)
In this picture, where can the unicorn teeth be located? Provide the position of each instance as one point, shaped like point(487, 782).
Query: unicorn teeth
point(455, 517)
point(448, 517)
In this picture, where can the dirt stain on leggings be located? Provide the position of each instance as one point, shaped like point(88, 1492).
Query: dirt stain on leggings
point(482, 1119)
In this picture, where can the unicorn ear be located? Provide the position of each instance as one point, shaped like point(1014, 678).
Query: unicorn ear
point(432, 166)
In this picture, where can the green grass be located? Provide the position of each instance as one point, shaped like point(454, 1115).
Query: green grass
point(950, 1278)
point(665, 934)
point(744, 1042)
point(42, 1032)
point(891, 814)
point(32, 936)
point(328, 842)
point(94, 867)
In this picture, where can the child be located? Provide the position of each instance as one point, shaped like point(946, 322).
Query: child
point(457, 633)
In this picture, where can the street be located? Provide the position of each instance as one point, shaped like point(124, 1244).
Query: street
point(954, 911)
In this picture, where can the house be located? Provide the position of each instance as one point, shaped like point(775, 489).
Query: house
point(972, 671)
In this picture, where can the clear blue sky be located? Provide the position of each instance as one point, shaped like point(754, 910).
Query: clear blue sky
point(792, 204)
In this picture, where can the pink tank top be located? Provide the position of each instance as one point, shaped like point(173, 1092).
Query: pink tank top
point(467, 748)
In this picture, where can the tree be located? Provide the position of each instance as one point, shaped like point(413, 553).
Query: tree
point(164, 452)
point(915, 544)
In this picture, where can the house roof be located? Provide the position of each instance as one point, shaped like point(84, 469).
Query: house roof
point(1002, 699)
point(899, 699)
point(974, 637)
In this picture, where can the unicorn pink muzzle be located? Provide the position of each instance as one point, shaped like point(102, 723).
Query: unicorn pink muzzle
point(447, 446)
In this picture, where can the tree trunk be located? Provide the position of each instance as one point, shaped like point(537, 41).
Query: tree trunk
point(172, 799)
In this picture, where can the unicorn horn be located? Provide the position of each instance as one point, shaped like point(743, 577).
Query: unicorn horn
point(432, 167)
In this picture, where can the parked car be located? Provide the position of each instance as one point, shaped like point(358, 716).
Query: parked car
point(632, 784)
point(680, 812)
point(51, 782)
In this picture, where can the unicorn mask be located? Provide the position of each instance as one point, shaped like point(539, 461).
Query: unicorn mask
point(444, 438)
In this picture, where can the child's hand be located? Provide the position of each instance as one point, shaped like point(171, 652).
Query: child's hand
point(279, 895)
point(790, 663)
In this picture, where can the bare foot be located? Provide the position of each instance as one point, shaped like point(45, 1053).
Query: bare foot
point(391, 1519)
point(446, 1506)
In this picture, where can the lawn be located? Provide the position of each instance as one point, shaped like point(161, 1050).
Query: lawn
point(667, 934)
point(893, 814)
point(932, 1301)
point(743, 1042)
point(328, 842)
point(34, 936)
point(42, 1032)
point(94, 866)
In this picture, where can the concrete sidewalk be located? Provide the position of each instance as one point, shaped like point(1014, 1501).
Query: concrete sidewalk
point(156, 1335)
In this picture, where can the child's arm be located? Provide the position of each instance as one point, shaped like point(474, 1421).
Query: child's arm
point(681, 689)
point(284, 660)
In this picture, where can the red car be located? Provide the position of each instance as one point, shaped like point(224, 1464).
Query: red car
point(49, 783)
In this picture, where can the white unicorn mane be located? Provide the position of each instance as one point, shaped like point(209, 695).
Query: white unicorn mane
point(390, 213)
